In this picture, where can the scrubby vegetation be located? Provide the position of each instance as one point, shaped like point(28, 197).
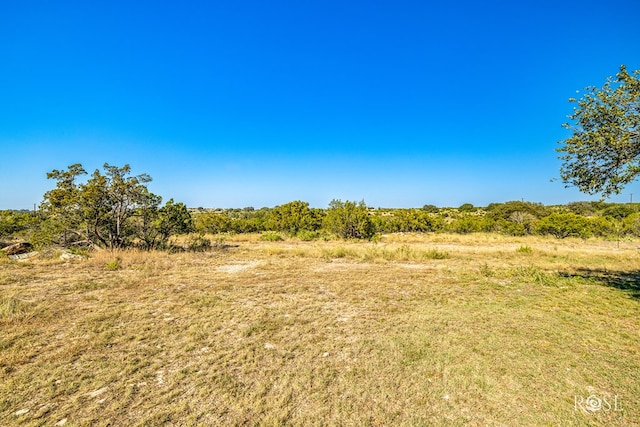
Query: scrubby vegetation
point(63, 219)
point(356, 220)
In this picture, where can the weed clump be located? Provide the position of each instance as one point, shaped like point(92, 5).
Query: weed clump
point(524, 249)
point(114, 264)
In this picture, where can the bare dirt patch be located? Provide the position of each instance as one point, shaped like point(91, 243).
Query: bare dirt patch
point(237, 267)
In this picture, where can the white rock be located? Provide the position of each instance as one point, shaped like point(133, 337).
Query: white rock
point(98, 392)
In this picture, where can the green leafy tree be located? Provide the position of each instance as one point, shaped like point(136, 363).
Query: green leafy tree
point(410, 220)
point(147, 227)
point(62, 205)
point(618, 211)
point(631, 225)
point(430, 208)
point(111, 210)
point(506, 210)
point(562, 225)
point(603, 154)
point(17, 222)
point(110, 200)
point(212, 222)
point(293, 217)
point(585, 208)
point(349, 220)
point(467, 207)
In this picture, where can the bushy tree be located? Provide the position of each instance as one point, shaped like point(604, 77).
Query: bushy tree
point(506, 210)
point(110, 210)
point(212, 222)
point(467, 207)
point(585, 208)
point(293, 217)
point(408, 220)
point(155, 225)
point(563, 225)
point(465, 224)
point(16, 222)
point(618, 211)
point(631, 225)
point(603, 154)
point(63, 205)
point(349, 220)
point(605, 226)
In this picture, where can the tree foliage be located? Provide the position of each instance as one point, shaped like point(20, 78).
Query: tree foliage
point(562, 225)
point(293, 217)
point(111, 209)
point(349, 220)
point(603, 154)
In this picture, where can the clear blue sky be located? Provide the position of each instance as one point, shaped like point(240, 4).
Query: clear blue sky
point(258, 103)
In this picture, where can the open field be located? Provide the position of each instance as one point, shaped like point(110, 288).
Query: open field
point(415, 330)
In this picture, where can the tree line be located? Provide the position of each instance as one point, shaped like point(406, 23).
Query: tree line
point(113, 209)
point(356, 220)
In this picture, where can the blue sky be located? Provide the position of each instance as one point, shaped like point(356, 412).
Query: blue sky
point(258, 103)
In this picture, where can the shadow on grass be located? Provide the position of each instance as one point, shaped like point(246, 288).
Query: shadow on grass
point(628, 281)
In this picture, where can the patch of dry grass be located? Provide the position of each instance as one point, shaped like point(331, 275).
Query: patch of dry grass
point(413, 330)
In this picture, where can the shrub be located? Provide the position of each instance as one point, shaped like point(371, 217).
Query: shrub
point(466, 224)
point(436, 254)
point(307, 235)
point(525, 249)
point(604, 227)
point(113, 265)
point(293, 217)
point(562, 225)
point(349, 220)
point(271, 236)
point(631, 225)
point(408, 220)
point(198, 243)
point(618, 211)
point(467, 207)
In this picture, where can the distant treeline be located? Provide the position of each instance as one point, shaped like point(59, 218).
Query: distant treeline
point(112, 209)
point(517, 218)
point(355, 220)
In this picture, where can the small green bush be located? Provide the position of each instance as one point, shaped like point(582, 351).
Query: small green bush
point(307, 235)
point(271, 236)
point(349, 220)
point(113, 264)
point(198, 243)
point(436, 254)
point(524, 249)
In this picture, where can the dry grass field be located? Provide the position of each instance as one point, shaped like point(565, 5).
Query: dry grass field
point(414, 330)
